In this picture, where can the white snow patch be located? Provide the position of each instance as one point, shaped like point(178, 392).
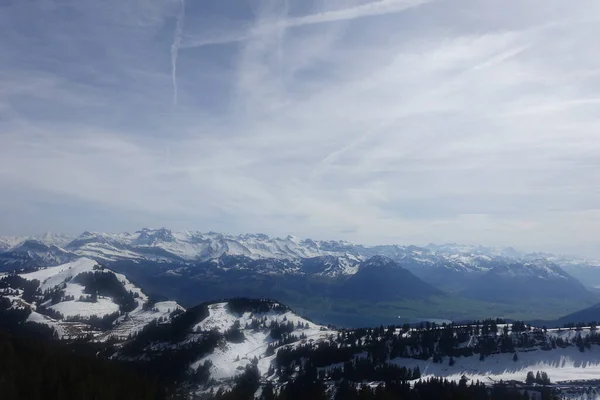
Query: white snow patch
point(231, 359)
point(104, 306)
point(54, 276)
point(136, 320)
point(560, 365)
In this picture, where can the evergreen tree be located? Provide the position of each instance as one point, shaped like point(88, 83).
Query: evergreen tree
point(530, 380)
point(545, 379)
point(268, 392)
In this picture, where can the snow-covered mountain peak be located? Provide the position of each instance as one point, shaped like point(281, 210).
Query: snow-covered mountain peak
point(540, 268)
point(9, 242)
point(151, 237)
point(377, 262)
point(473, 250)
point(248, 236)
point(547, 269)
point(32, 252)
point(56, 239)
point(88, 234)
point(32, 245)
point(190, 247)
point(52, 277)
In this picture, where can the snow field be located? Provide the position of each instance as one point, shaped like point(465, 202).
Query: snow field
point(560, 365)
point(124, 326)
point(137, 319)
point(54, 276)
point(224, 364)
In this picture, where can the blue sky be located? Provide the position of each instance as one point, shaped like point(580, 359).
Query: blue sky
point(392, 121)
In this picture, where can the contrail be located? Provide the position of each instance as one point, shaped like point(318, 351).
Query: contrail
point(175, 49)
point(374, 8)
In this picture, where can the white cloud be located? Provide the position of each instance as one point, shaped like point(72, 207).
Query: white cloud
point(418, 124)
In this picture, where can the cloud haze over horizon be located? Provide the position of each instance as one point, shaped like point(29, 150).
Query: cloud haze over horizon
point(392, 121)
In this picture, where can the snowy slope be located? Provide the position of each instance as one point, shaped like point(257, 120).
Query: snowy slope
point(163, 244)
point(32, 252)
point(536, 268)
point(63, 329)
point(10, 242)
point(61, 278)
point(73, 308)
point(54, 276)
point(56, 239)
point(560, 364)
point(133, 322)
point(227, 359)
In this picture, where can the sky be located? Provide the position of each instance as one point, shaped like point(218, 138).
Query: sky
point(378, 122)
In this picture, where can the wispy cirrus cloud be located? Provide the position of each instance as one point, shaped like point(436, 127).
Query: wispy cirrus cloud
point(368, 9)
point(386, 121)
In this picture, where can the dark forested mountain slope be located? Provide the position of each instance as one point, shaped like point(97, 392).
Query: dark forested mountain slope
point(381, 279)
point(529, 281)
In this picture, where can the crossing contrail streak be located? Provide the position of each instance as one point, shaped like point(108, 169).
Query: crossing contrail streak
point(373, 8)
point(175, 50)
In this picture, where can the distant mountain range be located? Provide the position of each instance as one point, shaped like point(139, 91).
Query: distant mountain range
point(328, 278)
point(166, 246)
point(115, 298)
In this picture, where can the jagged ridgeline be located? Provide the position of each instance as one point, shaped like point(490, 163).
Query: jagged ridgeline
point(332, 281)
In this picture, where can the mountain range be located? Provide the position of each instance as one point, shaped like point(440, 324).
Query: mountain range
point(167, 246)
point(329, 280)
